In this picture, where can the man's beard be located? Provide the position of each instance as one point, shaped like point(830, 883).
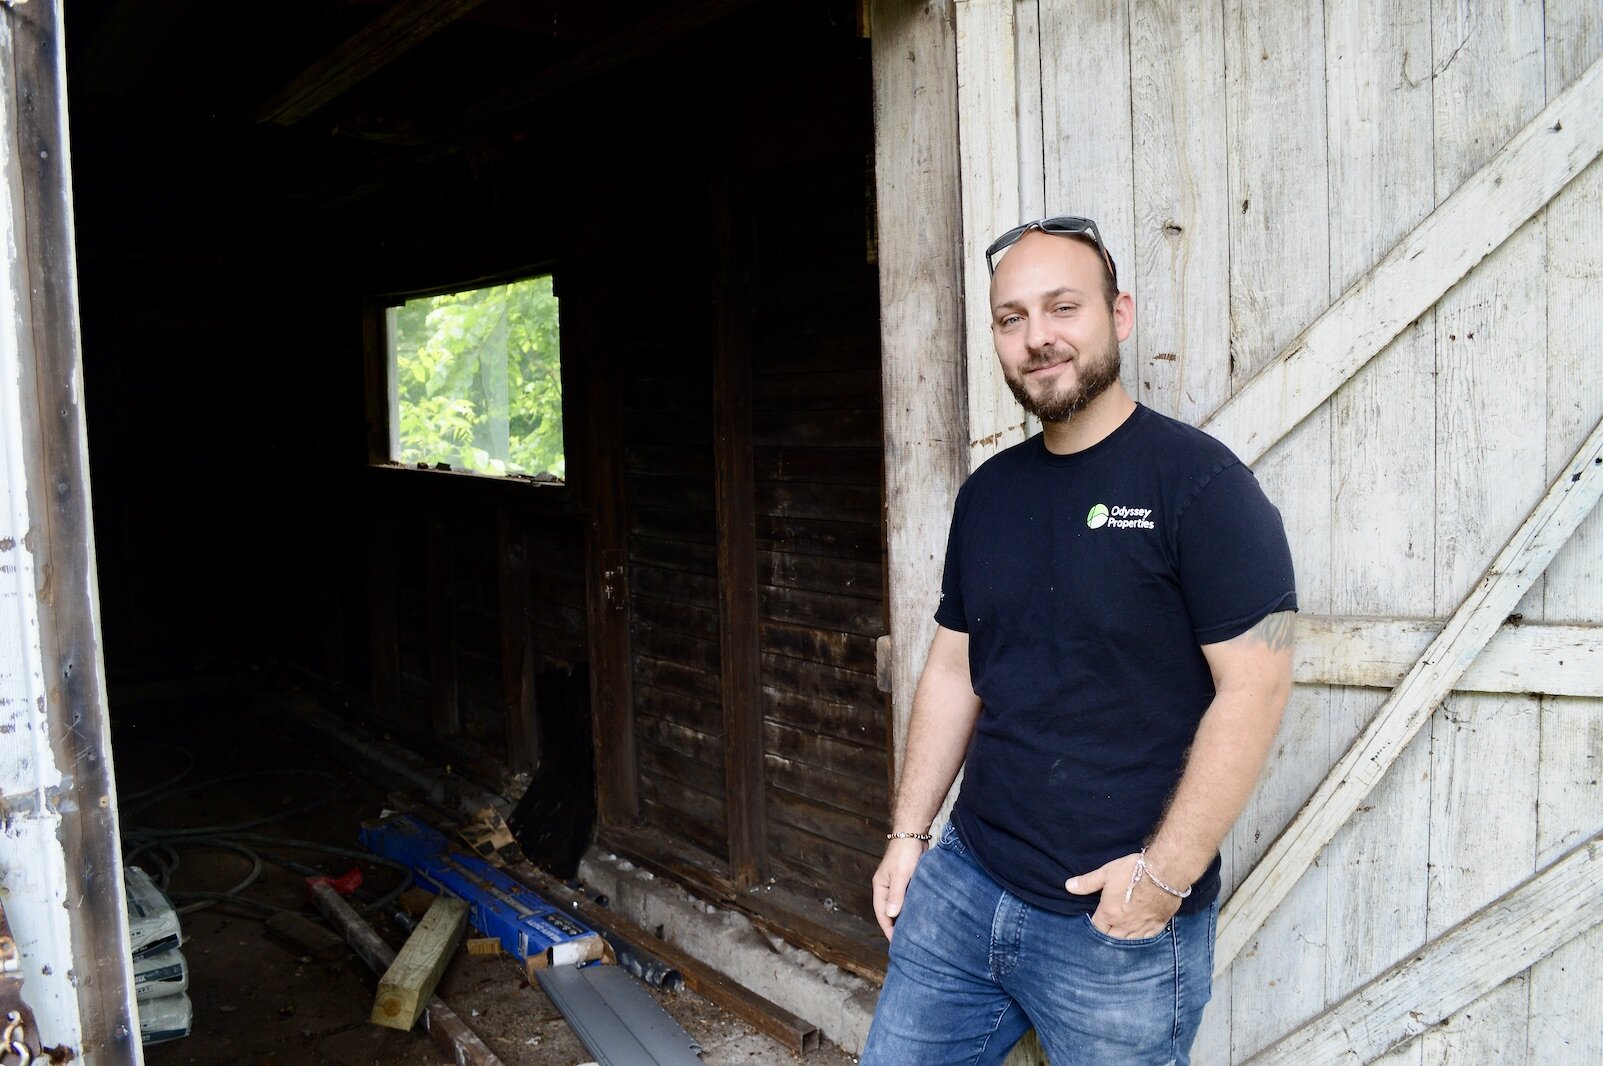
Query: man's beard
point(1092, 378)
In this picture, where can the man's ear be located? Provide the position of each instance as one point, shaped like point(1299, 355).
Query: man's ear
point(1123, 315)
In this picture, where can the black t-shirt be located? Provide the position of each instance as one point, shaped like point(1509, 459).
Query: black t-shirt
point(1086, 584)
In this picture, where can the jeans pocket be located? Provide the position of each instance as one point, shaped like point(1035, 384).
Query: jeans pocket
point(950, 841)
point(1120, 942)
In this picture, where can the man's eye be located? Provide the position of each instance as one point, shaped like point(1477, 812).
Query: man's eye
point(1063, 309)
point(1010, 320)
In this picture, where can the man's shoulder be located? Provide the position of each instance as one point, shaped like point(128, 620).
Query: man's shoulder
point(1183, 444)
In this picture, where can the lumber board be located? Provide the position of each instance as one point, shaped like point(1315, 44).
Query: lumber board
point(1566, 1013)
point(1571, 497)
point(393, 32)
point(1455, 969)
point(1478, 217)
point(1491, 466)
point(1276, 215)
point(442, 1024)
point(1087, 143)
point(1527, 657)
point(739, 668)
point(405, 988)
point(917, 176)
point(988, 148)
point(1180, 201)
point(1382, 176)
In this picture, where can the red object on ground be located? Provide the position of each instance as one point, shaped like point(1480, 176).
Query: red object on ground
point(344, 884)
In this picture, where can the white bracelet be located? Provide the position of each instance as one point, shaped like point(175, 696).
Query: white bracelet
point(909, 836)
point(1143, 870)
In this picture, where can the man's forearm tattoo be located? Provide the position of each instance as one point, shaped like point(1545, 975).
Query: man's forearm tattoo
point(1276, 630)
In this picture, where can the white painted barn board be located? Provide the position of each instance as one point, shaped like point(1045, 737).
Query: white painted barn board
point(1382, 542)
point(1491, 467)
point(1475, 956)
point(1277, 221)
point(926, 438)
point(1181, 189)
point(1086, 132)
point(1566, 1021)
point(988, 135)
point(1531, 658)
point(1131, 145)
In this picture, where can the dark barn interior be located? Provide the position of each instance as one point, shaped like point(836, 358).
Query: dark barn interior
point(682, 631)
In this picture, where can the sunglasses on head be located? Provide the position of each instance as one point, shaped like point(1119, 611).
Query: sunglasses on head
point(1061, 226)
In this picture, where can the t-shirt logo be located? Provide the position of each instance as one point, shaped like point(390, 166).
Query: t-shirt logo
point(1120, 517)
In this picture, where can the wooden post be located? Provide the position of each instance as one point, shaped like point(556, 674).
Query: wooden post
point(64, 891)
point(606, 565)
point(738, 653)
point(921, 326)
point(405, 988)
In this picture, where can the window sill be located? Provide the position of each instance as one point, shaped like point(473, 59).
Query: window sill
point(513, 491)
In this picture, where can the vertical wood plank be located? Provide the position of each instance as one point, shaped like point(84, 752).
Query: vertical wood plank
point(1032, 132)
point(1180, 258)
point(1378, 98)
point(517, 643)
point(921, 331)
point(739, 663)
point(1566, 1021)
point(384, 655)
point(443, 709)
point(1489, 80)
point(988, 139)
point(50, 475)
point(1277, 222)
point(1087, 145)
point(606, 567)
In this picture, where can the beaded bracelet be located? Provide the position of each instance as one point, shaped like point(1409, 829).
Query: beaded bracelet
point(1143, 870)
point(909, 836)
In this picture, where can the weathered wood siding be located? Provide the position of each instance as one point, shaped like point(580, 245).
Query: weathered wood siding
point(818, 459)
point(1250, 162)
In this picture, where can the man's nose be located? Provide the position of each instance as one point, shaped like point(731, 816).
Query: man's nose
point(1038, 335)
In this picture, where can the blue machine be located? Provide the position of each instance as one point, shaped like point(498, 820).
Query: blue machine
point(528, 927)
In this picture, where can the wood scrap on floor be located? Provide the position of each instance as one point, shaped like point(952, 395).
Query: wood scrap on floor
point(441, 1022)
point(406, 986)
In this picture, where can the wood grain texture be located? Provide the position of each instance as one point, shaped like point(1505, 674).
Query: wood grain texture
point(1409, 707)
point(1456, 968)
point(405, 988)
point(988, 139)
point(1479, 216)
point(1491, 454)
point(1382, 421)
point(740, 669)
point(1086, 139)
point(1181, 185)
point(920, 248)
point(1277, 221)
point(1530, 658)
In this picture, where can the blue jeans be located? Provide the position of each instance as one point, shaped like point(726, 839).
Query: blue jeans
point(974, 967)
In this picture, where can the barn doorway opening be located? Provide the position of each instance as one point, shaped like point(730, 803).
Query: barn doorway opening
point(645, 615)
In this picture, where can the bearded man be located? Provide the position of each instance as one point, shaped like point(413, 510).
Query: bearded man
point(1112, 658)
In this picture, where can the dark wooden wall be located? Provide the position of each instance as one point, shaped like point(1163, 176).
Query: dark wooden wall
point(715, 562)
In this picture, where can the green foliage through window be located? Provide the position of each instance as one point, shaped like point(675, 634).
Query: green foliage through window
point(476, 380)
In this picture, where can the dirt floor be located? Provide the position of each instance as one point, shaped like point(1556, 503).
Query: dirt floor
point(203, 763)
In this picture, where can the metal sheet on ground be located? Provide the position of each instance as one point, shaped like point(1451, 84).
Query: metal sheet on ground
point(614, 1017)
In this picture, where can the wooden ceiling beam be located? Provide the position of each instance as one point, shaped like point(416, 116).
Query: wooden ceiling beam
point(400, 28)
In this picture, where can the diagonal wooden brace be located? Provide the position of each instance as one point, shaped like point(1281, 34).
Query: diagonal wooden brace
point(1527, 554)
